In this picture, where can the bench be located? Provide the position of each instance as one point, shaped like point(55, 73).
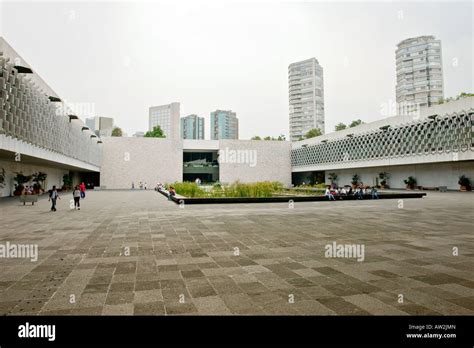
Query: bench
point(426, 188)
point(29, 199)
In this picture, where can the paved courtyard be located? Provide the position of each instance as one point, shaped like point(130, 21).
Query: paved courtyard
point(136, 253)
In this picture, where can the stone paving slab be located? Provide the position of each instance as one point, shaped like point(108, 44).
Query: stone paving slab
point(134, 252)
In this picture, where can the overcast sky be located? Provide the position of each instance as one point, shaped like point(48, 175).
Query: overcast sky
point(124, 57)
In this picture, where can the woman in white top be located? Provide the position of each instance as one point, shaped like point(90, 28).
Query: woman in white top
point(329, 194)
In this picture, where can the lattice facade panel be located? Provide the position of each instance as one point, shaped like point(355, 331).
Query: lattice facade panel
point(27, 114)
point(449, 133)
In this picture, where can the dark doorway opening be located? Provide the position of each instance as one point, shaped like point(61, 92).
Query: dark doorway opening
point(307, 178)
point(200, 164)
point(90, 179)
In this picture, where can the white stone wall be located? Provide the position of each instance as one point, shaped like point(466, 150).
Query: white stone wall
point(271, 161)
point(55, 175)
point(150, 160)
point(428, 175)
point(155, 160)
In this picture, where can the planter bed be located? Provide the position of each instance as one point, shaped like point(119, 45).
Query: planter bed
point(276, 199)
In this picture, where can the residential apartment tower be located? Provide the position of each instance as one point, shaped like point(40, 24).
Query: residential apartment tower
point(419, 71)
point(306, 97)
point(224, 125)
point(192, 127)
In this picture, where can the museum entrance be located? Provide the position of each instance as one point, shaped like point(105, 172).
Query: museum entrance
point(308, 178)
point(200, 164)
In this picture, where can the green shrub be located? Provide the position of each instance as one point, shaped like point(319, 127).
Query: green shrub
point(236, 189)
point(188, 189)
point(384, 176)
point(38, 179)
point(257, 189)
point(410, 181)
point(67, 182)
point(464, 181)
point(355, 179)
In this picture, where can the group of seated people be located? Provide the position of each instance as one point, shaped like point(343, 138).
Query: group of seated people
point(359, 192)
point(170, 191)
point(27, 190)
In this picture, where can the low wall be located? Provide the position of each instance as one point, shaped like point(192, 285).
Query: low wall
point(286, 199)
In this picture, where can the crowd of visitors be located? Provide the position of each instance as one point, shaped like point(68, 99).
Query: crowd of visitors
point(141, 185)
point(359, 192)
point(169, 192)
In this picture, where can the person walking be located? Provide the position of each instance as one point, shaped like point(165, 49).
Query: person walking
point(82, 188)
point(53, 196)
point(76, 194)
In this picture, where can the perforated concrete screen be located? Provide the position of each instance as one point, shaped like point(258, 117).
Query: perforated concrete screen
point(443, 134)
point(27, 114)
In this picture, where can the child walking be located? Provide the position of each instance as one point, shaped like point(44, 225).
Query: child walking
point(77, 196)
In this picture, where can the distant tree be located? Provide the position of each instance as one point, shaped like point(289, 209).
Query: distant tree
point(116, 132)
point(157, 132)
point(281, 137)
point(355, 123)
point(340, 126)
point(459, 96)
point(464, 95)
point(315, 132)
